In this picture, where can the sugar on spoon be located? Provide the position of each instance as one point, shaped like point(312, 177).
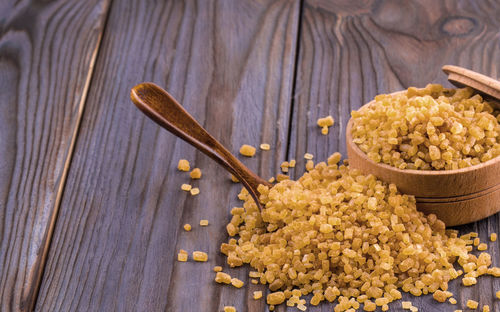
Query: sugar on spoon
point(161, 107)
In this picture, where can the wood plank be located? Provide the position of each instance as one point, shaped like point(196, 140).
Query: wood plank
point(351, 51)
point(47, 51)
point(115, 244)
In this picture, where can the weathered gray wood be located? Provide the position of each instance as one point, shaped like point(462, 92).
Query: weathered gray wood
point(47, 50)
point(351, 51)
point(115, 244)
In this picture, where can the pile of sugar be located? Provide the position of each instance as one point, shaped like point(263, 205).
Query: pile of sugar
point(344, 236)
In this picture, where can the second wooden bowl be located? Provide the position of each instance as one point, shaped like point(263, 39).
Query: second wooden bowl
point(455, 196)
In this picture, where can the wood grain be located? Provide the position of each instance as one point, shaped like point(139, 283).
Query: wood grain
point(115, 244)
point(47, 51)
point(351, 51)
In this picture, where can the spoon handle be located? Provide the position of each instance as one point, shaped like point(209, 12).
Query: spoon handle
point(160, 106)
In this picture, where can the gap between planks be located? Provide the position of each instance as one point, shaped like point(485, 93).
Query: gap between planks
point(294, 79)
point(67, 163)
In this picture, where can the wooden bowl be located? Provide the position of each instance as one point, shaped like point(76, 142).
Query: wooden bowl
point(455, 196)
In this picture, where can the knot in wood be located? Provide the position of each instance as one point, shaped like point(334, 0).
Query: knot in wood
point(458, 25)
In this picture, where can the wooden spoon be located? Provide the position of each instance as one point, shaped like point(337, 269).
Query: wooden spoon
point(461, 77)
point(160, 106)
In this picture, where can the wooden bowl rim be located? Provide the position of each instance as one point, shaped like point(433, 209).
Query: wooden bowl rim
point(413, 172)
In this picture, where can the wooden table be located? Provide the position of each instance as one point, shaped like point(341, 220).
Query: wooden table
point(91, 210)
